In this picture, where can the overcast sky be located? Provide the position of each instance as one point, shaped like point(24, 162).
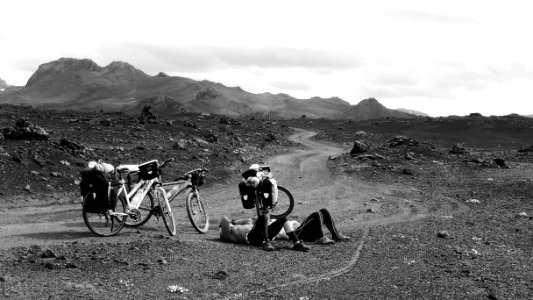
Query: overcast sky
point(438, 57)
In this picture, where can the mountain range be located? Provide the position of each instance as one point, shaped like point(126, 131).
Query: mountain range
point(81, 84)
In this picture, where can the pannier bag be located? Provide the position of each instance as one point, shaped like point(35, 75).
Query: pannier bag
point(268, 192)
point(98, 185)
point(149, 170)
point(247, 195)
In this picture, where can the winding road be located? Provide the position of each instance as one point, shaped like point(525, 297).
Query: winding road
point(304, 172)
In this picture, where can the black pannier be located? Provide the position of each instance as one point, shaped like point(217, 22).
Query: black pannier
point(96, 186)
point(247, 195)
point(265, 192)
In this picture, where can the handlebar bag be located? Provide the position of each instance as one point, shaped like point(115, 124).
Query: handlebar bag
point(247, 195)
point(197, 179)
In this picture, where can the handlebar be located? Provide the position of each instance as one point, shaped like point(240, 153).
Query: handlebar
point(166, 162)
point(188, 174)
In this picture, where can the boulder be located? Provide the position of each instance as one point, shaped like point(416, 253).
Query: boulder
point(360, 147)
point(24, 130)
point(402, 140)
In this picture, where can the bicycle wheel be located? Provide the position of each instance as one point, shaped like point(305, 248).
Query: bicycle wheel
point(146, 209)
point(166, 212)
point(197, 211)
point(103, 223)
point(285, 204)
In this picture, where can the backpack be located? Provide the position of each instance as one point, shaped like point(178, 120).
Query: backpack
point(98, 183)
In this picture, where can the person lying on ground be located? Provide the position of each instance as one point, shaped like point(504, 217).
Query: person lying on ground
point(311, 230)
point(260, 233)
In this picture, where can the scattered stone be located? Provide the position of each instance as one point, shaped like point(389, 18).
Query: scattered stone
point(55, 174)
point(27, 188)
point(361, 134)
point(270, 137)
point(106, 122)
point(443, 234)
point(221, 275)
point(360, 147)
point(407, 171)
point(162, 261)
point(474, 201)
point(48, 253)
point(176, 289)
point(147, 116)
point(458, 149)
point(500, 162)
point(371, 210)
point(401, 140)
point(35, 173)
point(409, 155)
point(24, 130)
point(522, 214)
point(71, 145)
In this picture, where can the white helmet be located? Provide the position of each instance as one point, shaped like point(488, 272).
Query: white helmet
point(254, 167)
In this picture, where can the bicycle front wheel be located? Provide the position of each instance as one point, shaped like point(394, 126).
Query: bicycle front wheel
point(103, 223)
point(166, 212)
point(285, 204)
point(197, 211)
point(146, 211)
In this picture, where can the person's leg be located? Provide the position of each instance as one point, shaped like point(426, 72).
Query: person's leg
point(275, 227)
point(330, 225)
point(291, 233)
point(259, 232)
point(311, 229)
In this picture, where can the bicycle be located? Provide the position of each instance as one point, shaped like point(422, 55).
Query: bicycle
point(196, 206)
point(102, 223)
point(285, 202)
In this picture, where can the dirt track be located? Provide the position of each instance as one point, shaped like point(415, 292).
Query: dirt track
point(358, 206)
point(304, 172)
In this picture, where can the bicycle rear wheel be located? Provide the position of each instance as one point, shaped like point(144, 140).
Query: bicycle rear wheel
point(197, 211)
point(166, 212)
point(285, 204)
point(146, 209)
point(104, 223)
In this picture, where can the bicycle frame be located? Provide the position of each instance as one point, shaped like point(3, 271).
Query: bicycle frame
point(147, 186)
point(184, 185)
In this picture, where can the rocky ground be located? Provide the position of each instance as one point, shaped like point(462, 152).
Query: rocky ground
point(437, 209)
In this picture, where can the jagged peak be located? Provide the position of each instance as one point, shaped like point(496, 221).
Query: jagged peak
point(114, 65)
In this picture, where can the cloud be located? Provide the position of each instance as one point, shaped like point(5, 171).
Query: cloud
point(209, 58)
point(294, 86)
point(441, 80)
point(428, 16)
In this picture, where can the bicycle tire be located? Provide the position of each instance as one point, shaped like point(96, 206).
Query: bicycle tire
point(285, 204)
point(98, 223)
point(146, 207)
point(166, 211)
point(197, 212)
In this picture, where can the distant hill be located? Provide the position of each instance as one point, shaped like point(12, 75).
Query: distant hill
point(81, 84)
point(370, 108)
point(413, 112)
